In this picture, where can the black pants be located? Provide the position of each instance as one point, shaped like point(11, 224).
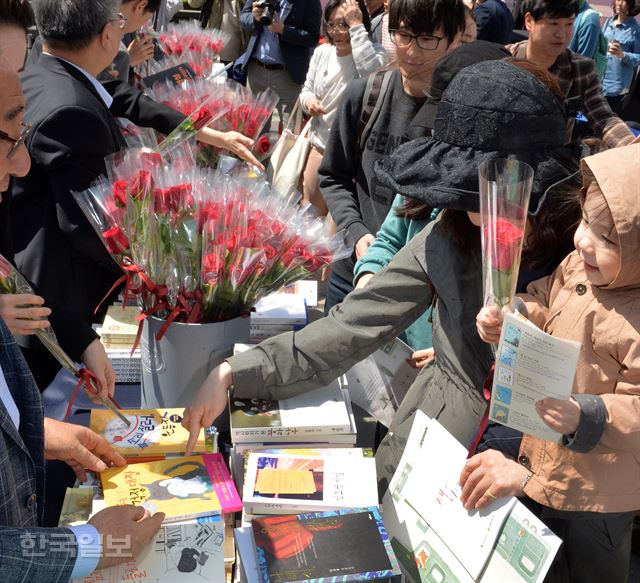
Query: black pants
point(44, 367)
point(596, 547)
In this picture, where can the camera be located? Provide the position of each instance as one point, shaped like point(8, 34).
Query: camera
point(269, 9)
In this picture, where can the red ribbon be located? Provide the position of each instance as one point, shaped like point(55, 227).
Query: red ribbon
point(131, 269)
point(191, 311)
point(86, 377)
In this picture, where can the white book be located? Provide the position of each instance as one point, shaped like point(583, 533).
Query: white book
point(313, 416)
point(432, 533)
point(179, 552)
point(379, 382)
point(279, 308)
point(291, 483)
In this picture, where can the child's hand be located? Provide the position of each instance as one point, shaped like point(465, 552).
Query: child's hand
point(489, 324)
point(561, 416)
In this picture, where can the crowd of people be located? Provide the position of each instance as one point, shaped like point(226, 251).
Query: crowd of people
point(406, 99)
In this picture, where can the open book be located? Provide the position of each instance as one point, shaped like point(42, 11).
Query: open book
point(431, 532)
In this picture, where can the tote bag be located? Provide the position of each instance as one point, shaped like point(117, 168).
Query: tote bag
point(290, 154)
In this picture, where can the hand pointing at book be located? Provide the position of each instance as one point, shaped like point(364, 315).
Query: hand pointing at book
point(210, 401)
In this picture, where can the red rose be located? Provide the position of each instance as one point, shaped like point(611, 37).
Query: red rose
point(150, 160)
point(141, 185)
point(263, 145)
point(115, 240)
point(269, 251)
point(320, 258)
point(507, 243)
point(120, 193)
point(212, 266)
point(202, 118)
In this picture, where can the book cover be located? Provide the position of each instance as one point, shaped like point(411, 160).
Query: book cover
point(182, 488)
point(118, 322)
point(185, 552)
point(348, 545)
point(322, 412)
point(277, 483)
point(153, 432)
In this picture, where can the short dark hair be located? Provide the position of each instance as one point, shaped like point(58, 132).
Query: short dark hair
point(152, 5)
point(73, 24)
point(332, 5)
point(424, 16)
point(16, 13)
point(550, 8)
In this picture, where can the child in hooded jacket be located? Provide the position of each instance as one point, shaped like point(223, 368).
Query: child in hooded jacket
point(587, 487)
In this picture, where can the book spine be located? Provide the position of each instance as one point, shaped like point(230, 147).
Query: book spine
point(291, 434)
point(190, 517)
point(222, 483)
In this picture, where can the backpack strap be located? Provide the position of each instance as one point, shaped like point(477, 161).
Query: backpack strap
point(374, 93)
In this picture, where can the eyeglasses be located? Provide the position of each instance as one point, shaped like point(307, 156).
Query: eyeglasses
point(402, 38)
point(121, 19)
point(16, 142)
point(336, 25)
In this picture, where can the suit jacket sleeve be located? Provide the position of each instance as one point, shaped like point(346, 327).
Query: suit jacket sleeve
point(73, 159)
point(37, 554)
point(308, 34)
point(132, 104)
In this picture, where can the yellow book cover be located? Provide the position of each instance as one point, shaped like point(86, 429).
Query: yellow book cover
point(153, 432)
point(119, 322)
point(182, 488)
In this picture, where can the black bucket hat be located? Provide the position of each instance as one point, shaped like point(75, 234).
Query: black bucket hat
point(489, 110)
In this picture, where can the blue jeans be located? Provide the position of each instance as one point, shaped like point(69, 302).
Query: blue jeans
point(337, 289)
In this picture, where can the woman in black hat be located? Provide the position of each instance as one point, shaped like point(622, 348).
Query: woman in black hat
point(490, 110)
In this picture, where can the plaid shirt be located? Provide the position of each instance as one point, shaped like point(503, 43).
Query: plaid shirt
point(577, 77)
point(27, 552)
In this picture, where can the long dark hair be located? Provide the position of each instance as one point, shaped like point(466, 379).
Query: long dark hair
point(332, 5)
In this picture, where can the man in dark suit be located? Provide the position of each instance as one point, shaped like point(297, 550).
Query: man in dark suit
point(494, 21)
point(278, 54)
point(72, 132)
point(27, 439)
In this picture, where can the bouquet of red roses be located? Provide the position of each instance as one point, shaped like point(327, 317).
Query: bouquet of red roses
point(203, 246)
point(230, 106)
point(187, 42)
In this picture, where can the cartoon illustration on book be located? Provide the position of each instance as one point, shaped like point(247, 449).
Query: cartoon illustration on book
point(195, 483)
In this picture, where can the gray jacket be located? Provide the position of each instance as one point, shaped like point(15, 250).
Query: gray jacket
point(449, 390)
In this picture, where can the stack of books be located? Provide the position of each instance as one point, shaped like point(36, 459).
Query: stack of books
point(118, 335)
point(319, 419)
point(278, 313)
point(196, 493)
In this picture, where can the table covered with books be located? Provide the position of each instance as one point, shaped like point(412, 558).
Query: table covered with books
point(287, 490)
